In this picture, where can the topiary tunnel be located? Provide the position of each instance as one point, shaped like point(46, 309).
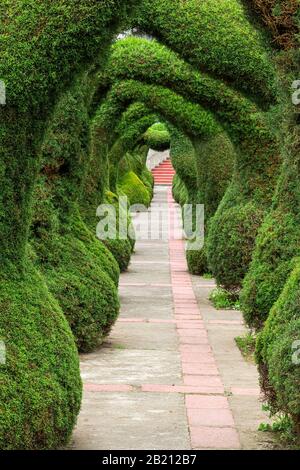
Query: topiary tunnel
point(211, 84)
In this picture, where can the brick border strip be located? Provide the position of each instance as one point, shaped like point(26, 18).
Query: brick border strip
point(210, 419)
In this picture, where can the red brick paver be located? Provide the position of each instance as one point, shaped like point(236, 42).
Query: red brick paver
point(210, 419)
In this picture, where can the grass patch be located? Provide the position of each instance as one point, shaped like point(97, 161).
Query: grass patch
point(246, 345)
point(224, 300)
point(207, 276)
point(283, 429)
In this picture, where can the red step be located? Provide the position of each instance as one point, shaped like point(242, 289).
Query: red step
point(163, 174)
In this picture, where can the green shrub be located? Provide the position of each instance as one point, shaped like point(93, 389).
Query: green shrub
point(121, 249)
point(197, 261)
point(180, 193)
point(215, 158)
point(216, 36)
point(157, 137)
point(276, 351)
point(183, 160)
point(85, 292)
point(79, 271)
point(137, 193)
point(276, 244)
point(73, 263)
point(230, 242)
point(148, 180)
point(40, 391)
point(278, 240)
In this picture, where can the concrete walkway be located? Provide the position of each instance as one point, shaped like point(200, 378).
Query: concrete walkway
point(170, 376)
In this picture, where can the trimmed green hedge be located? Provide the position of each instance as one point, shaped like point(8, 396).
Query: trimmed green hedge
point(214, 162)
point(215, 159)
point(78, 269)
point(137, 193)
point(231, 240)
point(180, 193)
point(183, 160)
point(157, 137)
point(121, 249)
point(278, 351)
point(40, 391)
point(278, 240)
point(45, 45)
point(214, 35)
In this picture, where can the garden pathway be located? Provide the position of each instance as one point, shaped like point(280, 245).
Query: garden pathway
point(170, 375)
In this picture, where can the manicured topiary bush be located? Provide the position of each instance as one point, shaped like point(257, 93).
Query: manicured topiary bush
point(214, 159)
point(46, 45)
point(137, 193)
point(136, 161)
point(278, 240)
point(230, 261)
point(78, 269)
point(148, 180)
point(121, 248)
point(278, 351)
point(197, 261)
point(208, 35)
point(40, 391)
point(233, 228)
point(189, 117)
point(129, 144)
point(157, 137)
point(185, 190)
point(179, 190)
point(86, 293)
point(183, 160)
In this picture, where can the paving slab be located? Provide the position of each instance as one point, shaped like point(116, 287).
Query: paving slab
point(146, 336)
point(133, 367)
point(133, 421)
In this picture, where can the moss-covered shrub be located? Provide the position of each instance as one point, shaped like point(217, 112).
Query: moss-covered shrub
point(278, 351)
point(40, 391)
point(157, 137)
